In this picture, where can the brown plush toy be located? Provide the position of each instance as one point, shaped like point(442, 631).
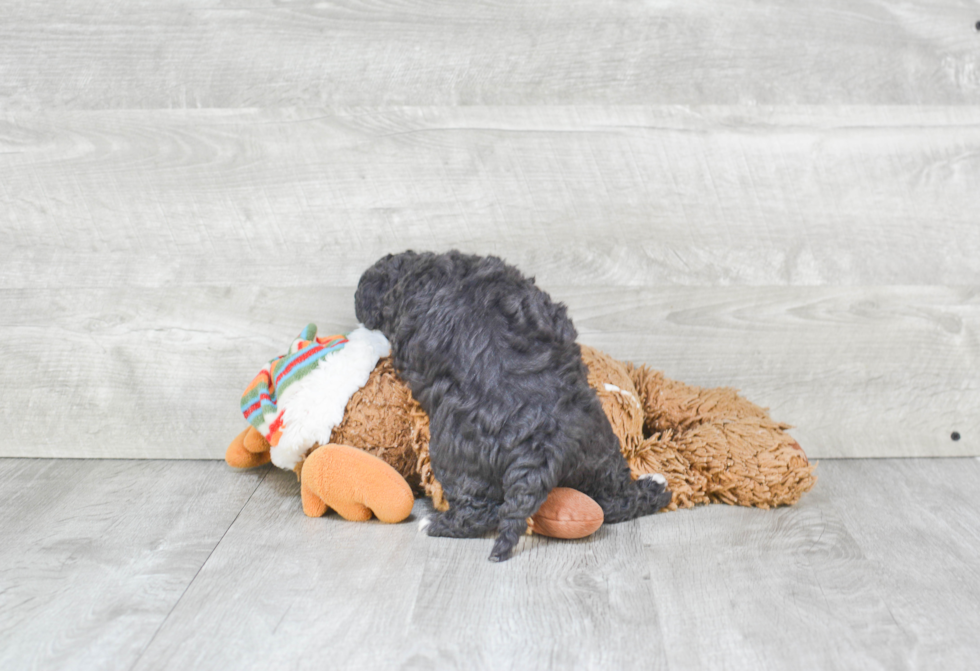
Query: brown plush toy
point(711, 445)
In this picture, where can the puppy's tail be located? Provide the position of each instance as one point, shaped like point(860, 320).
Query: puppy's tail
point(526, 486)
point(510, 531)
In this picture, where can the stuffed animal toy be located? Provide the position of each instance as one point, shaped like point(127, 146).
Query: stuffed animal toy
point(310, 407)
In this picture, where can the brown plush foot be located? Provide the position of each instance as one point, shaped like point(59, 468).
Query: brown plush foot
point(238, 454)
point(313, 505)
point(255, 442)
point(355, 484)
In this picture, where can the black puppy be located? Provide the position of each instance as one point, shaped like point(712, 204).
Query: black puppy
point(494, 363)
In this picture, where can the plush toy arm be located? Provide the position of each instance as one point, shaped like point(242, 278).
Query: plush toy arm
point(355, 484)
point(248, 450)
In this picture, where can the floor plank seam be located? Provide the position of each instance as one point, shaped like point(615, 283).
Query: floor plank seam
point(197, 573)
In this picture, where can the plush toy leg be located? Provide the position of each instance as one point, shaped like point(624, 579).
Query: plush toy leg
point(314, 506)
point(255, 442)
point(248, 450)
point(355, 484)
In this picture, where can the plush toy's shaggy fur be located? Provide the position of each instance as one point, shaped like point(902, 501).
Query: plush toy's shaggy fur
point(494, 363)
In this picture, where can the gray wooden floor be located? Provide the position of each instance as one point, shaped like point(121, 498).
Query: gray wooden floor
point(186, 564)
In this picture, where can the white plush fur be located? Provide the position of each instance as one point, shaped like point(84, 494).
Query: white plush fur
point(613, 388)
point(313, 406)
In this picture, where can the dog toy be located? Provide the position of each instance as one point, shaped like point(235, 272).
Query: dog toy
point(308, 407)
point(297, 399)
point(712, 445)
point(355, 484)
point(566, 513)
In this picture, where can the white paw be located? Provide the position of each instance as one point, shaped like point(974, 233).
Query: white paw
point(656, 477)
point(424, 523)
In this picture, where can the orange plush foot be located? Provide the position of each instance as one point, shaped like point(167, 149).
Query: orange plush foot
point(248, 450)
point(355, 484)
point(567, 513)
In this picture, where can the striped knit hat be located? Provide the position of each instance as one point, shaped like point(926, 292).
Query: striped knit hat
point(297, 398)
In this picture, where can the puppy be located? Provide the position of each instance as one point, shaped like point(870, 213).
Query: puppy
point(494, 363)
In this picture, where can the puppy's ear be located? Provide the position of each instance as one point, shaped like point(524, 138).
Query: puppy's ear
point(376, 282)
point(367, 299)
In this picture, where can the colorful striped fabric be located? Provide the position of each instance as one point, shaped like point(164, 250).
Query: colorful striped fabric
point(260, 400)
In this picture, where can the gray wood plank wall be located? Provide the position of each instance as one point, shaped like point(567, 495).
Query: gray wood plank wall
point(774, 197)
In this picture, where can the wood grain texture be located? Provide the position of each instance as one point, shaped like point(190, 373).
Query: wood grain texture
point(860, 371)
point(915, 521)
point(134, 372)
point(780, 589)
point(577, 196)
point(261, 53)
point(183, 186)
point(286, 591)
point(95, 554)
point(144, 565)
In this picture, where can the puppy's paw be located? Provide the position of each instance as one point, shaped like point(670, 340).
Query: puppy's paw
point(655, 485)
point(656, 477)
point(425, 523)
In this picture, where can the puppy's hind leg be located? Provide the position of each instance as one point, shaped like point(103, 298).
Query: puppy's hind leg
point(633, 498)
point(466, 518)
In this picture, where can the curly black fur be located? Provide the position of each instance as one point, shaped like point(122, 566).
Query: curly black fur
point(494, 363)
